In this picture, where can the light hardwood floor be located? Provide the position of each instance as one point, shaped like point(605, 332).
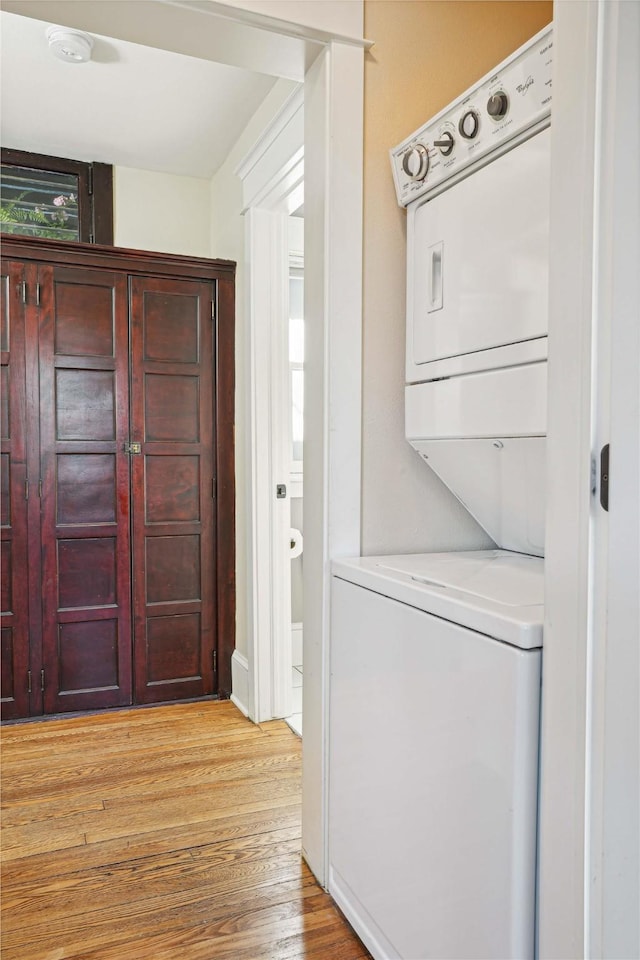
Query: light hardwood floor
point(169, 833)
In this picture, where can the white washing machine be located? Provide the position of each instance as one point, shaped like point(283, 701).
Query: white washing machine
point(434, 711)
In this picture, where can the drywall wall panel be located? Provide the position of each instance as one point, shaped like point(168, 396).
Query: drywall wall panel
point(425, 54)
point(161, 212)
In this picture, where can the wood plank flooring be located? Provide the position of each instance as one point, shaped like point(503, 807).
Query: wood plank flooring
point(169, 833)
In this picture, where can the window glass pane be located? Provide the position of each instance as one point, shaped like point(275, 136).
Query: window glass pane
point(297, 412)
point(296, 340)
point(38, 203)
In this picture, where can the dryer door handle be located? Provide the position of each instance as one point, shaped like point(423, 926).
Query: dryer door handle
point(435, 276)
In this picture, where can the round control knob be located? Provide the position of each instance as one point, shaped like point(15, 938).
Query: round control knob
point(445, 144)
point(497, 105)
point(469, 125)
point(415, 162)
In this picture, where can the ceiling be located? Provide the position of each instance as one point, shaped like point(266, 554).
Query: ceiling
point(131, 105)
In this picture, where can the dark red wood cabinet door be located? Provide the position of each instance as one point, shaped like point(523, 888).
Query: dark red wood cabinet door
point(173, 488)
point(14, 625)
point(86, 594)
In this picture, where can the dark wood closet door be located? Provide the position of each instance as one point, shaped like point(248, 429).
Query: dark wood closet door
point(86, 596)
point(173, 488)
point(14, 628)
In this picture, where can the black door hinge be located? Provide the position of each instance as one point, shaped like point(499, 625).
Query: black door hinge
point(215, 661)
point(604, 477)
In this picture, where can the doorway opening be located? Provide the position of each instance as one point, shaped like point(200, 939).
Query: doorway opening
point(295, 428)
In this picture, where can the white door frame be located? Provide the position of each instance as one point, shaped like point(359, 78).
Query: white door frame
point(333, 137)
point(586, 876)
point(333, 151)
point(272, 177)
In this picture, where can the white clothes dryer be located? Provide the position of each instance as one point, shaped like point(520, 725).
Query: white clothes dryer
point(476, 183)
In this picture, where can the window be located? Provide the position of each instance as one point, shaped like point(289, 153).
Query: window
point(296, 365)
point(56, 198)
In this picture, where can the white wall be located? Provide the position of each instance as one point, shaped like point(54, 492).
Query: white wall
point(227, 241)
point(161, 212)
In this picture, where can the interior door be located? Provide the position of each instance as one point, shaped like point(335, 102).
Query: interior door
point(173, 488)
point(86, 592)
point(14, 629)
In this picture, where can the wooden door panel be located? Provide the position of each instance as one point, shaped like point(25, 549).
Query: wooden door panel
point(86, 499)
point(84, 320)
point(171, 326)
point(173, 506)
point(14, 594)
point(86, 488)
point(86, 572)
point(171, 489)
point(172, 408)
point(85, 402)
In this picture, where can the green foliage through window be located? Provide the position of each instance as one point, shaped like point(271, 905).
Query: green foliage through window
point(38, 203)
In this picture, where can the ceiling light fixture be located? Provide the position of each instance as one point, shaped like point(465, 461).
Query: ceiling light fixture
point(72, 46)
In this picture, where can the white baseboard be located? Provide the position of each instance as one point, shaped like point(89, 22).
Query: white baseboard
point(240, 682)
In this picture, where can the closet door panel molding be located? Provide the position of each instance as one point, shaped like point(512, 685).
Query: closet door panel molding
point(14, 624)
point(172, 407)
point(84, 392)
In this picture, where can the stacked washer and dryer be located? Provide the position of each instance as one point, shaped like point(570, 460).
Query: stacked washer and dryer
point(436, 658)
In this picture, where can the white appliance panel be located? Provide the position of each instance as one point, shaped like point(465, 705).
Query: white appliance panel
point(433, 767)
point(501, 482)
point(511, 355)
point(509, 402)
point(478, 257)
point(494, 592)
point(497, 577)
point(424, 161)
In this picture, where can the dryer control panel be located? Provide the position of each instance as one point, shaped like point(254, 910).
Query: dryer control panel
point(507, 105)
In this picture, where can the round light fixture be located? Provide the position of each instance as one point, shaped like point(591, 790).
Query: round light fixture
point(70, 45)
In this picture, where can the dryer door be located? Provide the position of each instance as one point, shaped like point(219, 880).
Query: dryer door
point(478, 260)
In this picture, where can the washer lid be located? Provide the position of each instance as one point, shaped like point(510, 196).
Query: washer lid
point(495, 592)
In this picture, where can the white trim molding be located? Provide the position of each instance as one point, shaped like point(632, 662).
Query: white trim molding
point(272, 173)
point(333, 378)
point(563, 725)
point(269, 566)
point(240, 682)
point(588, 874)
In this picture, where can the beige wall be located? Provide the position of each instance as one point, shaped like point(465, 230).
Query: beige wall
point(426, 53)
point(161, 212)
